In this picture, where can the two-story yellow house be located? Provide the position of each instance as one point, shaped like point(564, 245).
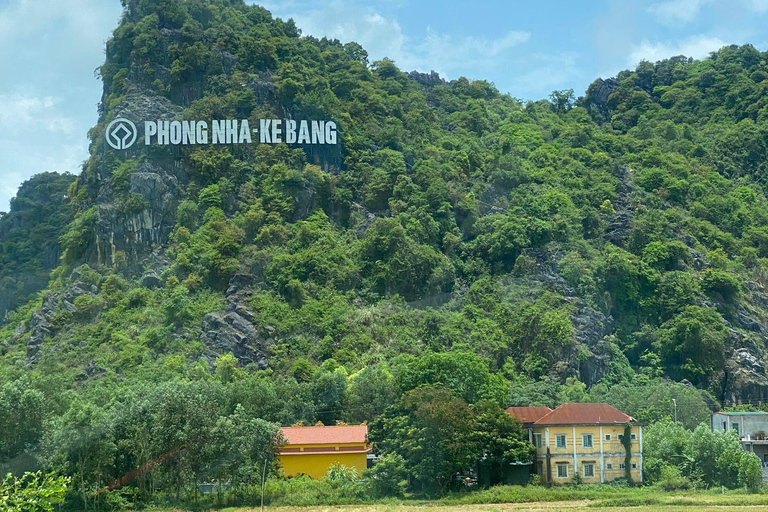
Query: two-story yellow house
point(583, 438)
point(312, 450)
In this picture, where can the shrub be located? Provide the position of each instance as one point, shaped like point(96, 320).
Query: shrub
point(33, 492)
point(671, 479)
point(389, 477)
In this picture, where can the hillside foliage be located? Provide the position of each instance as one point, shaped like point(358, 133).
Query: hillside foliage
point(460, 246)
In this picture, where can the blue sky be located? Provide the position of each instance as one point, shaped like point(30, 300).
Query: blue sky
point(49, 50)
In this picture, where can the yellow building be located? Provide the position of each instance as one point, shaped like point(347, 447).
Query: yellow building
point(583, 438)
point(312, 450)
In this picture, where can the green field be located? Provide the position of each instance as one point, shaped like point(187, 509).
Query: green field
point(533, 498)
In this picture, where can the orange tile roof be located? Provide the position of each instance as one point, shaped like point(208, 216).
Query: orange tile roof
point(338, 434)
point(585, 414)
point(528, 414)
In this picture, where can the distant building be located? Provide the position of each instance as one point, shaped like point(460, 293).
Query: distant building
point(752, 429)
point(312, 450)
point(583, 438)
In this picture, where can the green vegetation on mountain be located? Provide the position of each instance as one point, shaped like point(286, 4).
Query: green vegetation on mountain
point(459, 249)
point(29, 237)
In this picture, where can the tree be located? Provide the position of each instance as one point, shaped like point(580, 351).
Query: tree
point(651, 402)
point(499, 439)
point(665, 444)
point(329, 389)
point(465, 373)
point(713, 458)
point(370, 392)
point(395, 263)
point(691, 344)
point(81, 444)
point(562, 101)
point(242, 444)
point(430, 429)
point(22, 414)
point(432, 435)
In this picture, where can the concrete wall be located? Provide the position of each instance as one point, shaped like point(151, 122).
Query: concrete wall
point(316, 465)
point(748, 424)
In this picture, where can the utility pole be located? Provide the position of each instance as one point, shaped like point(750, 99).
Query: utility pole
point(263, 477)
point(675, 403)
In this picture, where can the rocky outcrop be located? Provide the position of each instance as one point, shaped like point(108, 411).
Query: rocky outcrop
point(597, 96)
point(620, 224)
point(151, 279)
point(368, 219)
point(41, 328)
point(41, 325)
point(745, 378)
point(590, 327)
point(232, 330)
point(590, 330)
point(160, 181)
point(430, 79)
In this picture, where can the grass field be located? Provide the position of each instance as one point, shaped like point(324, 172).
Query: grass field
point(567, 506)
point(532, 499)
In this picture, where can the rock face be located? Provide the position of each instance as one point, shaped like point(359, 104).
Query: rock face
point(41, 325)
point(620, 225)
point(151, 279)
point(597, 96)
point(232, 330)
point(590, 330)
point(427, 79)
point(41, 329)
point(745, 379)
point(590, 327)
point(160, 181)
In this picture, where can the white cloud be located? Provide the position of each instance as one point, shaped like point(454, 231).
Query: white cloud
point(83, 19)
point(674, 12)
point(454, 56)
point(382, 36)
point(697, 47)
point(29, 112)
point(547, 72)
point(379, 35)
point(48, 93)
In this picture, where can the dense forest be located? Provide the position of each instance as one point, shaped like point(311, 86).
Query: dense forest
point(459, 250)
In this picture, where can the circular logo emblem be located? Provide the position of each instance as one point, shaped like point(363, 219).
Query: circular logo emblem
point(121, 133)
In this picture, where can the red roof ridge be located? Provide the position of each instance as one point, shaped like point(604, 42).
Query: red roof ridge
point(585, 413)
point(326, 434)
point(325, 426)
point(528, 414)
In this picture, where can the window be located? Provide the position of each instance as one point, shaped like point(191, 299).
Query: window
point(562, 470)
point(586, 440)
point(633, 436)
point(621, 466)
point(589, 470)
point(539, 468)
point(634, 465)
point(608, 465)
point(735, 427)
point(560, 441)
point(537, 440)
point(607, 437)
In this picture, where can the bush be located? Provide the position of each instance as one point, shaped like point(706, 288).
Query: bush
point(304, 491)
point(389, 477)
point(32, 492)
point(671, 479)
